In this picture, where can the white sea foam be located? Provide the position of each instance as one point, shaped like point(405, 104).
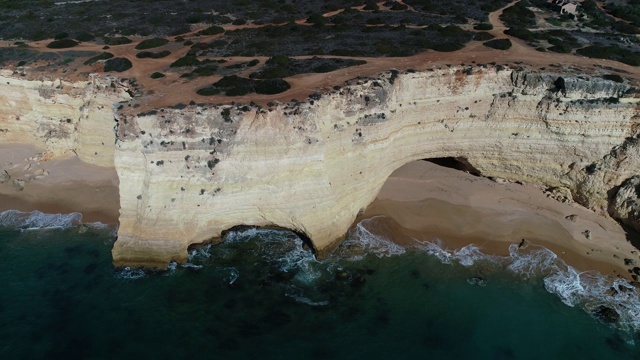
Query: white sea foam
point(232, 275)
point(130, 274)
point(38, 220)
point(298, 296)
point(200, 253)
point(361, 242)
point(588, 289)
point(466, 256)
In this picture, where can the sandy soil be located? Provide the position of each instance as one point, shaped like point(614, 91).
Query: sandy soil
point(58, 186)
point(425, 202)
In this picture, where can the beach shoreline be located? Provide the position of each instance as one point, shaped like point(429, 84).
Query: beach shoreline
point(61, 185)
point(427, 202)
point(424, 202)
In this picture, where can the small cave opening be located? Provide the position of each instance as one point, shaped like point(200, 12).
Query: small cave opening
point(457, 163)
point(306, 240)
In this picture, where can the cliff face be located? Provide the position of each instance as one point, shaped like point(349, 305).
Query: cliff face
point(61, 118)
point(188, 174)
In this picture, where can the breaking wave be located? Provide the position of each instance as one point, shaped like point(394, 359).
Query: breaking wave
point(36, 220)
point(361, 242)
point(588, 289)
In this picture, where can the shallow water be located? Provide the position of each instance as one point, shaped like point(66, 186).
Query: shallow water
point(261, 295)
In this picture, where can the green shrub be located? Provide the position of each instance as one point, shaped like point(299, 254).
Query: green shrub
point(482, 36)
point(102, 56)
point(153, 55)
point(499, 44)
point(483, 26)
point(119, 40)
point(62, 44)
point(85, 36)
point(151, 43)
point(117, 64)
point(208, 91)
point(212, 30)
point(272, 86)
point(561, 48)
point(613, 77)
point(279, 60)
point(519, 14)
point(520, 33)
point(371, 7)
point(613, 52)
point(396, 6)
point(625, 28)
point(316, 19)
point(157, 75)
point(185, 61)
point(447, 47)
point(60, 36)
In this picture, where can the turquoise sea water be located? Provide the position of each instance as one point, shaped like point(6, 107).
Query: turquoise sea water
point(260, 295)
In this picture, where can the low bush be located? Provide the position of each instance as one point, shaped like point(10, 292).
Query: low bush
point(157, 75)
point(212, 30)
point(272, 86)
point(117, 65)
point(520, 33)
point(483, 26)
point(85, 36)
point(613, 52)
point(62, 44)
point(208, 91)
point(237, 86)
point(102, 56)
point(613, 77)
point(151, 43)
point(185, 61)
point(153, 55)
point(60, 36)
point(119, 40)
point(499, 44)
point(482, 36)
point(447, 47)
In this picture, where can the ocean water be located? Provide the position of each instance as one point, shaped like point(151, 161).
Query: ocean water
point(261, 295)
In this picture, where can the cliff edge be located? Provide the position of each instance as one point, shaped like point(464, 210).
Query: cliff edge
point(189, 173)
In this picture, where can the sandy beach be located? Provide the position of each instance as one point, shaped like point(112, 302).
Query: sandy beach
point(425, 202)
point(58, 185)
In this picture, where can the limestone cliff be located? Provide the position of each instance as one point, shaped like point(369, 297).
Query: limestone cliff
point(189, 173)
point(60, 117)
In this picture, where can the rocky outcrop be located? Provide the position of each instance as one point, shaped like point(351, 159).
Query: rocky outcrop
point(626, 203)
point(188, 174)
point(61, 118)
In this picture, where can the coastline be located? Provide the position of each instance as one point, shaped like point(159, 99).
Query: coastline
point(62, 185)
point(428, 202)
point(420, 200)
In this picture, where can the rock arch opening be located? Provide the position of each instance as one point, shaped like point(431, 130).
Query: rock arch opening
point(457, 163)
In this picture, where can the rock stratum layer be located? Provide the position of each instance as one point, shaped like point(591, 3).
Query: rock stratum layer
point(187, 174)
point(62, 118)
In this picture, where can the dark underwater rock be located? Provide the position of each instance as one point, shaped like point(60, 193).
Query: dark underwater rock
point(606, 314)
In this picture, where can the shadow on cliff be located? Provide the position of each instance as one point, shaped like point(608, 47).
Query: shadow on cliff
point(457, 163)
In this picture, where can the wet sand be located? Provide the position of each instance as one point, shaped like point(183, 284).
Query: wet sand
point(58, 186)
point(426, 202)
